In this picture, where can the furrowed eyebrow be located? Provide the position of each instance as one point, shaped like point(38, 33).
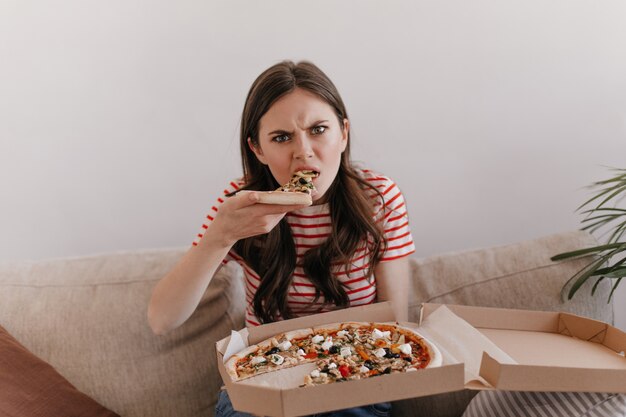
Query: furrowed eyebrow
point(284, 132)
point(280, 132)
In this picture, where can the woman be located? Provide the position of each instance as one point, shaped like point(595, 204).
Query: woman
point(349, 248)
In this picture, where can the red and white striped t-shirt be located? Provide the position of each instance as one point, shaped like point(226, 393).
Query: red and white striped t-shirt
point(310, 227)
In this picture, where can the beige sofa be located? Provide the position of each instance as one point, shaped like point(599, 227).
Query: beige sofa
point(87, 317)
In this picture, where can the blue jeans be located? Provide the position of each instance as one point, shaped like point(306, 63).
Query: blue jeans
point(224, 408)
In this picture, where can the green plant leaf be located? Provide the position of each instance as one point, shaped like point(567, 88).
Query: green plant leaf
point(595, 286)
point(614, 288)
point(618, 232)
point(612, 222)
point(581, 277)
point(601, 194)
point(587, 251)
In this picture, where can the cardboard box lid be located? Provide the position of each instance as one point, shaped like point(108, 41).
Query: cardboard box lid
point(272, 401)
point(555, 351)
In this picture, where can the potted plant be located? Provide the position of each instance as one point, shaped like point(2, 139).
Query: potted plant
point(601, 212)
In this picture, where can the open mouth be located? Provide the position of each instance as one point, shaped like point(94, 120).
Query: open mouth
point(309, 173)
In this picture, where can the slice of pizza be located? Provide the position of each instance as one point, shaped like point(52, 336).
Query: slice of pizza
point(279, 352)
point(297, 191)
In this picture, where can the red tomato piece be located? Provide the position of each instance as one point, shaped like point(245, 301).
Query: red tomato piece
point(344, 370)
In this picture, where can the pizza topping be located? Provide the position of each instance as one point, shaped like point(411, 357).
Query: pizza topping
point(380, 352)
point(377, 334)
point(328, 343)
point(341, 333)
point(405, 348)
point(284, 345)
point(277, 359)
point(364, 369)
point(300, 352)
point(300, 182)
point(317, 338)
point(311, 355)
point(272, 351)
point(257, 359)
point(345, 351)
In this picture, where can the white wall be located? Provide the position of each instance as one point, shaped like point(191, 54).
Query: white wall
point(119, 119)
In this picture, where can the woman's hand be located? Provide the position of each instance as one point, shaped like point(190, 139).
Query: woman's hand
point(241, 216)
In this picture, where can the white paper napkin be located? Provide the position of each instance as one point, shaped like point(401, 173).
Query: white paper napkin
point(235, 344)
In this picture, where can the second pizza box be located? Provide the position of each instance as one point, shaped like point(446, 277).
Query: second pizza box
point(552, 351)
point(280, 394)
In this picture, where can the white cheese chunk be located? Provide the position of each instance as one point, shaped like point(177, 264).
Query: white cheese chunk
point(315, 373)
point(328, 343)
point(364, 369)
point(257, 360)
point(277, 359)
point(405, 348)
point(285, 345)
point(345, 351)
point(377, 334)
point(301, 352)
point(332, 365)
point(380, 352)
point(317, 338)
point(342, 333)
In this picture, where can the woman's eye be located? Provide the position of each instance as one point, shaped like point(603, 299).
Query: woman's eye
point(281, 138)
point(317, 130)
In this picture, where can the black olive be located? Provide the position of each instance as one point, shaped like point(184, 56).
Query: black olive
point(407, 358)
point(388, 354)
point(325, 369)
point(333, 349)
point(272, 351)
point(387, 370)
point(302, 181)
point(369, 364)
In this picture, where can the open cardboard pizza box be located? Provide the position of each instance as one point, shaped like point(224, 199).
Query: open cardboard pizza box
point(483, 348)
point(551, 351)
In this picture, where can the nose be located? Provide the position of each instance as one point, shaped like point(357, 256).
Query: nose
point(303, 148)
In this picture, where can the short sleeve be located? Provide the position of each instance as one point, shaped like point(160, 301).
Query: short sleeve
point(230, 188)
point(395, 220)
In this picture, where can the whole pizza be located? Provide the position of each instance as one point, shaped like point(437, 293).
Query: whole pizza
point(341, 352)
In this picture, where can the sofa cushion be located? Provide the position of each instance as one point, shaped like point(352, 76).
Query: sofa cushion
point(519, 275)
point(31, 387)
point(87, 317)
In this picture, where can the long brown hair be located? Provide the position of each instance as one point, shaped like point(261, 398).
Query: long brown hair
point(273, 255)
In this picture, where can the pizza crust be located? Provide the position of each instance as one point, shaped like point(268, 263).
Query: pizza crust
point(285, 197)
point(436, 359)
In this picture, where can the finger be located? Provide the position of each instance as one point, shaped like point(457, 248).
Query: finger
point(245, 198)
point(277, 208)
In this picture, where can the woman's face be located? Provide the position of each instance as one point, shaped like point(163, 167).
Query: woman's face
point(301, 131)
